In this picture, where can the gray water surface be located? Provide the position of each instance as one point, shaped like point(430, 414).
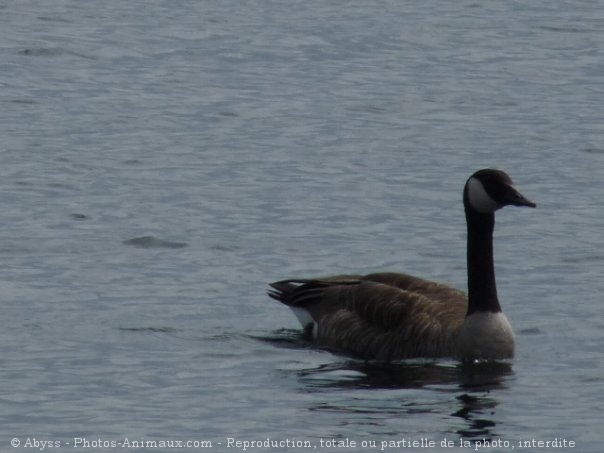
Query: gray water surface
point(161, 162)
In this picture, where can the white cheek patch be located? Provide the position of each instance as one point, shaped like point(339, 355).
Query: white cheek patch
point(479, 198)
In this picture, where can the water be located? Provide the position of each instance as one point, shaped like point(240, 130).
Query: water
point(162, 162)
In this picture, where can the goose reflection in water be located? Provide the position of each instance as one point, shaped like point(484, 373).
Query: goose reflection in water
point(473, 387)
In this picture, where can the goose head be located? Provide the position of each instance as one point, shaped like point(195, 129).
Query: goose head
point(488, 190)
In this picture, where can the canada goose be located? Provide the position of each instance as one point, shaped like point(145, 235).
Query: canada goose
point(389, 316)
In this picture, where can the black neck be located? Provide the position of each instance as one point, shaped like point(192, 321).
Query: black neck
point(482, 290)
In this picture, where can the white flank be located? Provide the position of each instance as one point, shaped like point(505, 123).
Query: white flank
point(486, 335)
point(479, 198)
point(305, 319)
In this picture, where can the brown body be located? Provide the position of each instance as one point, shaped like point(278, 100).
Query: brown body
point(384, 316)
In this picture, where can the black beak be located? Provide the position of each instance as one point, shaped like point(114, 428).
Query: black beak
point(515, 198)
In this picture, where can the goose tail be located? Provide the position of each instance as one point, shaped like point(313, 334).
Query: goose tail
point(282, 291)
point(286, 292)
